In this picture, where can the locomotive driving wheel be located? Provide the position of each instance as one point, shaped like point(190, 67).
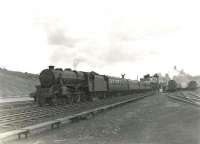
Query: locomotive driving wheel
point(83, 98)
point(41, 101)
point(55, 101)
point(49, 101)
point(76, 98)
point(70, 100)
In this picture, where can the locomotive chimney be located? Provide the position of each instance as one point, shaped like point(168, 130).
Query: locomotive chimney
point(51, 67)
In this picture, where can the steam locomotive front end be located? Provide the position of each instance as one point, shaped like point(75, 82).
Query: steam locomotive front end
point(44, 91)
point(57, 86)
point(47, 78)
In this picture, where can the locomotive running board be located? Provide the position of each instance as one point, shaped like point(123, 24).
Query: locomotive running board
point(26, 131)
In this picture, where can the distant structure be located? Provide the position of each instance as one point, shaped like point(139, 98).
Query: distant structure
point(123, 75)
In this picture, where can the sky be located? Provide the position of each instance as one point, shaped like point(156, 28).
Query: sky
point(110, 37)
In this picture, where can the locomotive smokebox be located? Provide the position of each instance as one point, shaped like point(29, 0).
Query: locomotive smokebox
point(51, 67)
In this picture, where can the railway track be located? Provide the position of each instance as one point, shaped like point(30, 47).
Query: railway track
point(194, 95)
point(185, 97)
point(14, 105)
point(15, 121)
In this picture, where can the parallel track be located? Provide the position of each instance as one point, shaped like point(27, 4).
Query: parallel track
point(180, 96)
point(12, 120)
point(14, 105)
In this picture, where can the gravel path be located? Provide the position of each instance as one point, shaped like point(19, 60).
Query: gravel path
point(153, 120)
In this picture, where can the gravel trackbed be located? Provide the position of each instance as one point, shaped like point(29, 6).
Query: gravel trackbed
point(153, 120)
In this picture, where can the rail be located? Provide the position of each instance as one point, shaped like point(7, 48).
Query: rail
point(67, 119)
point(182, 97)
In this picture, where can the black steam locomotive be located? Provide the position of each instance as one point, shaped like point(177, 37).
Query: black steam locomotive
point(68, 86)
point(173, 86)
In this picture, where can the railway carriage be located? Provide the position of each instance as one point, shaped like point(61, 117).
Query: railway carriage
point(145, 85)
point(134, 85)
point(117, 84)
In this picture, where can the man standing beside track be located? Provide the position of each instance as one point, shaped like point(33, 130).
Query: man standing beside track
point(157, 86)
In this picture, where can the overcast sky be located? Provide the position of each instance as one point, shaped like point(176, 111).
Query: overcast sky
point(108, 36)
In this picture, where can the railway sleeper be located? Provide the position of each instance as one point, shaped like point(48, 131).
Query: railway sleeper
point(75, 119)
point(87, 116)
point(15, 132)
point(55, 125)
point(24, 133)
